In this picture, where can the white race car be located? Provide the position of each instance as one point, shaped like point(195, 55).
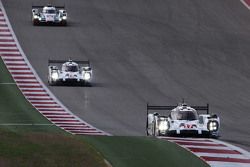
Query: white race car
point(55, 15)
point(71, 73)
point(183, 120)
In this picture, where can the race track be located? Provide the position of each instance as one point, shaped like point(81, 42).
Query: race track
point(156, 51)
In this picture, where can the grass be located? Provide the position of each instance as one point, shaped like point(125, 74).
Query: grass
point(46, 149)
point(15, 109)
point(25, 145)
point(125, 151)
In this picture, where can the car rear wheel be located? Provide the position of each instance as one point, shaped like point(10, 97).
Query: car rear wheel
point(51, 83)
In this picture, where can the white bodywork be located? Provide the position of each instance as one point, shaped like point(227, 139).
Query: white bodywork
point(49, 14)
point(183, 120)
point(71, 73)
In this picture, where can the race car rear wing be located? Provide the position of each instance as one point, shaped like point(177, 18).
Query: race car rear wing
point(41, 6)
point(64, 61)
point(168, 108)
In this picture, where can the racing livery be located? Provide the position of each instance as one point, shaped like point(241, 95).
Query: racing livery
point(55, 15)
point(71, 72)
point(182, 120)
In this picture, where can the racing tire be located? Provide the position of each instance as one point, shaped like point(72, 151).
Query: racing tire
point(51, 83)
point(213, 136)
point(147, 127)
point(154, 129)
point(64, 23)
point(87, 84)
point(35, 22)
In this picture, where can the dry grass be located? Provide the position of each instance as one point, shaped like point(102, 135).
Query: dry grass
point(41, 149)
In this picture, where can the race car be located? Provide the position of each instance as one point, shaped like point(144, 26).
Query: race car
point(71, 72)
point(182, 120)
point(53, 15)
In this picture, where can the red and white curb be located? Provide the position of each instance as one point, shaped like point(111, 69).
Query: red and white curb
point(246, 3)
point(33, 88)
point(214, 152)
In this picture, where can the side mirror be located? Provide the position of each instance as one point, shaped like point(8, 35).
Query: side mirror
point(214, 116)
point(201, 120)
point(156, 114)
point(86, 68)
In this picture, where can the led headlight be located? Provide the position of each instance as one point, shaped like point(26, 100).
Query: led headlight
point(36, 17)
point(54, 76)
point(163, 125)
point(212, 125)
point(86, 75)
point(64, 17)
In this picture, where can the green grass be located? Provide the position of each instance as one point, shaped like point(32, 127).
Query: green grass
point(25, 145)
point(143, 152)
point(15, 109)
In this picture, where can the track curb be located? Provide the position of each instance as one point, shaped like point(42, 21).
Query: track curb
point(214, 152)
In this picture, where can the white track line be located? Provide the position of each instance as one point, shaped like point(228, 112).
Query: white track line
point(23, 124)
point(227, 164)
point(7, 83)
point(222, 155)
point(245, 4)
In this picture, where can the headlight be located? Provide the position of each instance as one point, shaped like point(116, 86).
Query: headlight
point(86, 75)
point(64, 17)
point(212, 125)
point(36, 17)
point(163, 125)
point(54, 75)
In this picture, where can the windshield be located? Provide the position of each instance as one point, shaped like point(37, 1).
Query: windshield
point(50, 11)
point(185, 115)
point(71, 68)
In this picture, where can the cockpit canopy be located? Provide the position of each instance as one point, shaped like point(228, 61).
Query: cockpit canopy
point(189, 115)
point(49, 10)
point(72, 67)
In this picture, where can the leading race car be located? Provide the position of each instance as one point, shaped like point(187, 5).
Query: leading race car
point(71, 72)
point(183, 120)
point(53, 15)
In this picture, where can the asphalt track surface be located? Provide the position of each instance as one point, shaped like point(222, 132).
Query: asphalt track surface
point(156, 51)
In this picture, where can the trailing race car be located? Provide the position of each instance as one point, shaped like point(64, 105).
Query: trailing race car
point(54, 15)
point(183, 120)
point(71, 73)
